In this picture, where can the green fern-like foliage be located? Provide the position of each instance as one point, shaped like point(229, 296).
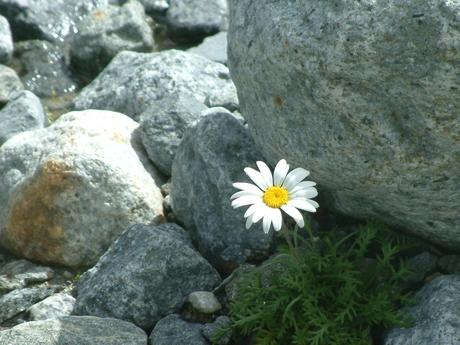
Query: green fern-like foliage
point(333, 292)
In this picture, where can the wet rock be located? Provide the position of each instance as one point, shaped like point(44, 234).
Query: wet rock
point(160, 268)
point(74, 330)
point(53, 307)
point(435, 316)
point(105, 32)
point(345, 89)
point(163, 125)
point(204, 302)
point(6, 41)
point(132, 82)
point(214, 48)
point(45, 68)
point(9, 83)
point(23, 112)
point(70, 189)
point(20, 273)
point(191, 20)
point(211, 156)
point(172, 330)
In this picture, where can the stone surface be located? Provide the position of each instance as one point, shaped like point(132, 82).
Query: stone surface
point(191, 20)
point(74, 330)
point(210, 329)
point(214, 48)
point(204, 302)
point(53, 307)
point(159, 269)
point(6, 41)
point(436, 315)
point(346, 89)
point(105, 32)
point(134, 81)
point(43, 19)
point(20, 273)
point(45, 68)
point(421, 265)
point(450, 264)
point(163, 125)
point(23, 112)
point(68, 190)
point(19, 300)
point(9, 83)
point(172, 330)
point(154, 7)
point(211, 156)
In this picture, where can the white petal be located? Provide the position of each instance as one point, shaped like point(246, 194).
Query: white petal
point(245, 200)
point(256, 177)
point(249, 222)
point(294, 177)
point(312, 202)
point(253, 208)
point(265, 172)
point(294, 213)
point(267, 222)
point(309, 193)
point(277, 219)
point(244, 193)
point(280, 172)
point(248, 187)
point(302, 204)
point(260, 212)
point(303, 185)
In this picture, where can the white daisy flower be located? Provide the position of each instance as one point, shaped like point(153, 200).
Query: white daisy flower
point(273, 193)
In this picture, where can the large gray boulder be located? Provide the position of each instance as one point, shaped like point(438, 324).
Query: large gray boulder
point(211, 156)
point(68, 190)
point(146, 274)
point(23, 112)
point(134, 81)
point(436, 315)
point(9, 84)
point(105, 32)
point(6, 41)
point(365, 94)
point(74, 330)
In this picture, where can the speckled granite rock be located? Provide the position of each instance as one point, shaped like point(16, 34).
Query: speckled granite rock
point(347, 89)
point(68, 190)
point(6, 41)
point(9, 84)
point(172, 330)
point(20, 273)
point(53, 307)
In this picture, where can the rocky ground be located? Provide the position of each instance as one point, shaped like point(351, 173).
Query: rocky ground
point(122, 131)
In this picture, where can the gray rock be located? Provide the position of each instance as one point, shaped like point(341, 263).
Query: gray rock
point(450, 264)
point(436, 316)
point(20, 273)
point(43, 19)
point(191, 20)
point(211, 156)
point(6, 41)
point(346, 89)
point(105, 32)
point(74, 330)
point(163, 125)
point(421, 266)
point(134, 81)
point(19, 300)
point(152, 7)
point(23, 112)
point(160, 268)
point(172, 330)
point(9, 83)
point(204, 302)
point(53, 307)
point(214, 48)
point(68, 190)
point(210, 329)
point(45, 69)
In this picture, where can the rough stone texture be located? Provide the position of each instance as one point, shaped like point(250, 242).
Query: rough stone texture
point(204, 302)
point(347, 89)
point(436, 315)
point(20, 273)
point(134, 81)
point(210, 329)
point(163, 125)
point(211, 156)
point(23, 112)
point(172, 330)
point(191, 20)
point(450, 264)
point(159, 269)
point(74, 330)
point(214, 48)
point(105, 32)
point(6, 41)
point(44, 19)
point(45, 69)
point(9, 83)
point(421, 265)
point(67, 191)
point(19, 300)
point(53, 307)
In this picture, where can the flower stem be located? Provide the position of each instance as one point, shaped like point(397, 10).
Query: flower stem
point(287, 237)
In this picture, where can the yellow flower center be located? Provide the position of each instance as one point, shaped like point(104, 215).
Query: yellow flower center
point(275, 196)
